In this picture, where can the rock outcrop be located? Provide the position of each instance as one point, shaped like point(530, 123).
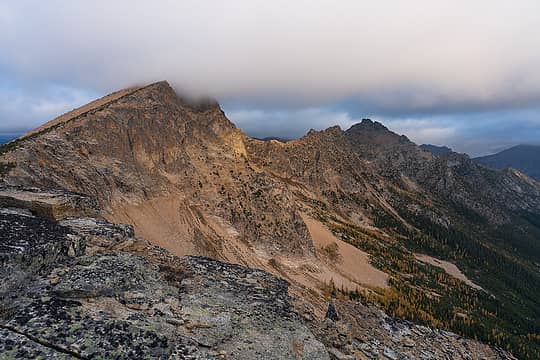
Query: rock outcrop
point(83, 288)
point(51, 204)
point(365, 332)
point(129, 299)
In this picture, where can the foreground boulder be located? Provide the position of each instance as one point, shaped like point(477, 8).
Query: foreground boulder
point(51, 204)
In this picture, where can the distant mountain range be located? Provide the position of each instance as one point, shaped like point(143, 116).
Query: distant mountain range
point(6, 138)
point(277, 138)
point(525, 158)
point(436, 150)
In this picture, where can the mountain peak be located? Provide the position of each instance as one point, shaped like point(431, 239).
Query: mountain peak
point(328, 133)
point(373, 132)
point(159, 92)
point(334, 129)
point(164, 88)
point(161, 83)
point(436, 149)
point(368, 125)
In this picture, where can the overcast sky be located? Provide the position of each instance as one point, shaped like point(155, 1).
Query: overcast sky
point(460, 73)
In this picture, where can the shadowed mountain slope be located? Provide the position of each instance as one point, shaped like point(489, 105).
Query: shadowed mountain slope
point(436, 150)
point(525, 158)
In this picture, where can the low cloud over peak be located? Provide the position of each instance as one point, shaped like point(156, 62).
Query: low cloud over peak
point(348, 59)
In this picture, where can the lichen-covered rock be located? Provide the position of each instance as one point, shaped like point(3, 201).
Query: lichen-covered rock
point(66, 325)
point(28, 241)
point(20, 346)
point(115, 304)
point(244, 313)
point(124, 307)
point(106, 276)
point(99, 235)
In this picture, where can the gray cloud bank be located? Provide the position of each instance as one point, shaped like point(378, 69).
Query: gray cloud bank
point(394, 60)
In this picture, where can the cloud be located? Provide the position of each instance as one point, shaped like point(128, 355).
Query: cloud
point(412, 55)
point(281, 66)
point(423, 131)
point(288, 123)
point(24, 108)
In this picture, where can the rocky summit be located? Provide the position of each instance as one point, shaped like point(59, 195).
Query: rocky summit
point(146, 225)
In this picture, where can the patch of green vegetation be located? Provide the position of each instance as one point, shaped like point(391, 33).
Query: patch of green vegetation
point(384, 220)
point(521, 236)
point(332, 251)
point(9, 146)
point(502, 260)
point(506, 315)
